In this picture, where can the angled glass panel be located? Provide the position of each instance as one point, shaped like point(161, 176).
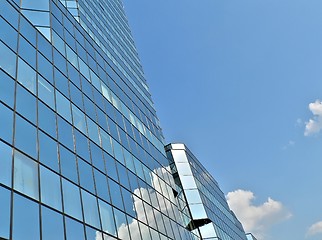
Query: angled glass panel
point(7, 88)
point(46, 92)
point(25, 219)
point(90, 209)
point(72, 202)
point(5, 205)
point(25, 175)
point(52, 224)
point(107, 218)
point(7, 60)
point(25, 130)
point(5, 164)
point(35, 4)
point(26, 104)
point(26, 76)
point(6, 123)
point(74, 230)
point(50, 188)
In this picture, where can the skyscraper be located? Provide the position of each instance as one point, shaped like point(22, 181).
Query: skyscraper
point(81, 150)
point(210, 216)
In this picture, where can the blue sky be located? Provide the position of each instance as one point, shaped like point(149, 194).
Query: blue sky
point(233, 80)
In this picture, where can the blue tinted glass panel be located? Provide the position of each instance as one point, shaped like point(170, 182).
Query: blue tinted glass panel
point(25, 175)
point(7, 86)
point(46, 92)
point(26, 104)
point(46, 119)
point(85, 175)
point(25, 219)
point(5, 213)
point(72, 202)
point(48, 151)
point(5, 164)
point(107, 218)
point(24, 131)
point(35, 4)
point(68, 164)
point(6, 123)
point(7, 60)
point(52, 224)
point(50, 188)
point(74, 230)
point(26, 76)
point(8, 34)
point(90, 209)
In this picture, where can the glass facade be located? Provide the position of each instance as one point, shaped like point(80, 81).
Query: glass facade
point(81, 149)
point(250, 236)
point(210, 216)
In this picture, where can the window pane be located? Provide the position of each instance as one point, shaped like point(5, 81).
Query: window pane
point(25, 219)
point(26, 76)
point(52, 224)
point(5, 213)
point(25, 175)
point(7, 87)
point(90, 209)
point(68, 164)
point(25, 138)
point(26, 104)
point(107, 218)
point(50, 188)
point(48, 151)
point(72, 202)
point(79, 119)
point(6, 123)
point(46, 92)
point(5, 164)
point(35, 4)
point(86, 175)
point(74, 230)
point(63, 106)
point(7, 60)
point(47, 119)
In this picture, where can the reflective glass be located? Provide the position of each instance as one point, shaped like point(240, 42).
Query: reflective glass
point(107, 217)
point(25, 175)
point(26, 76)
point(50, 188)
point(46, 92)
point(65, 133)
point(74, 230)
point(86, 175)
point(7, 60)
point(37, 18)
point(52, 224)
point(35, 4)
point(101, 185)
point(6, 123)
point(8, 34)
point(5, 213)
point(25, 130)
point(26, 104)
point(48, 151)
point(25, 219)
point(5, 164)
point(47, 119)
point(79, 119)
point(63, 106)
point(27, 51)
point(7, 87)
point(90, 209)
point(68, 164)
point(72, 202)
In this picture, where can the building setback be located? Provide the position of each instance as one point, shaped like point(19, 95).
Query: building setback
point(210, 216)
point(81, 150)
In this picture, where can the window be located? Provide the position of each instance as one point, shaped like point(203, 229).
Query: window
point(25, 130)
point(46, 92)
point(26, 104)
point(50, 188)
point(5, 164)
point(7, 60)
point(25, 175)
point(72, 202)
point(5, 213)
point(90, 210)
point(25, 219)
point(52, 224)
point(6, 123)
point(26, 76)
point(107, 218)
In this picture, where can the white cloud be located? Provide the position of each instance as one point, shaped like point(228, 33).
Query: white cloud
point(314, 125)
point(316, 228)
point(256, 219)
point(290, 143)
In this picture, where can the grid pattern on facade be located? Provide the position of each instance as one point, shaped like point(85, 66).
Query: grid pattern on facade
point(80, 151)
